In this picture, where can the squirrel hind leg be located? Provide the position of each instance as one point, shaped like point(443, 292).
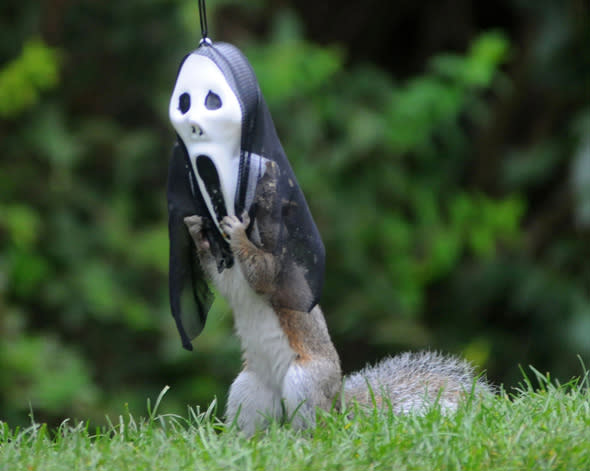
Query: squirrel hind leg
point(413, 382)
point(251, 404)
point(309, 385)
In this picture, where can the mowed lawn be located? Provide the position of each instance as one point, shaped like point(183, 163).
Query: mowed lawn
point(546, 427)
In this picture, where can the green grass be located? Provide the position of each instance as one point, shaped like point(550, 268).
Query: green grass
point(546, 427)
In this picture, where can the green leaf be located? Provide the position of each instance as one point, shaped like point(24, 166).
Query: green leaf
point(22, 223)
point(22, 80)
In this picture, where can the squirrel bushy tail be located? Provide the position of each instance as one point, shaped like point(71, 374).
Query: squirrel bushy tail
point(414, 381)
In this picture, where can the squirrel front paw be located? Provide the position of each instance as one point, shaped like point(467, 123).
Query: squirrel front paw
point(194, 225)
point(234, 228)
point(232, 224)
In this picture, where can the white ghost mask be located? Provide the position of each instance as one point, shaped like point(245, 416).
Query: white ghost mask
point(207, 116)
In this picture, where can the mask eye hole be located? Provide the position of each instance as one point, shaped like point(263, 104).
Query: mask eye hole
point(212, 101)
point(184, 102)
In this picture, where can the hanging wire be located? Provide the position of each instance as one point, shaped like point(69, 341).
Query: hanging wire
point(203, 20)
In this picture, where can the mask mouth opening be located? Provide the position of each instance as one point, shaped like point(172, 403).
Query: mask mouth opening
point(208, 173)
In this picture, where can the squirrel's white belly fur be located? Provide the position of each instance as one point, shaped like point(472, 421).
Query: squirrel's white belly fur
point(265, 346)
point(258, 394)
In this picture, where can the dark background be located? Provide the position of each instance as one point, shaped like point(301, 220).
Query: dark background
point(444, 148)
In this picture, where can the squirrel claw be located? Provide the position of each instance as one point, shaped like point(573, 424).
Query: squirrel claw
point(245, 219)
point(232, 224)
point(194, 224)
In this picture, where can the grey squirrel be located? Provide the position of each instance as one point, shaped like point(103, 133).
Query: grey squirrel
point(290, 363)
point(268, 262)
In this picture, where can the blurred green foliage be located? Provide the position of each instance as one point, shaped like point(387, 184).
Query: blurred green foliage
point(24, 78)
point(453, 204)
